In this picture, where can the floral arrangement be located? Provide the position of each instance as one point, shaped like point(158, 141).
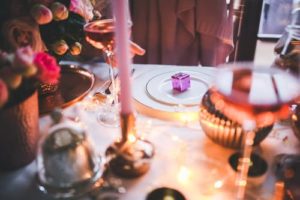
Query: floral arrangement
point(61, 23)
point(55, 26)
point(23, 71)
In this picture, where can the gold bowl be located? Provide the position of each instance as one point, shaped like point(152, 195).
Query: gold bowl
point(222, 130)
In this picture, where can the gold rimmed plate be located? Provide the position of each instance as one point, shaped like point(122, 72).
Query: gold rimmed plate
point(160, 89)
point(75, 83)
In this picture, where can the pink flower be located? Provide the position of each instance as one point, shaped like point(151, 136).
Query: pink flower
point(59, 11)
point(60, 47)
point(48, 70)
point(23, 61)
point(83, 8)
point(3, 93)
point(41, 14)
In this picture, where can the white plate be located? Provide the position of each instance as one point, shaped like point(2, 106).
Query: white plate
point(147, 105)
point(160, 89)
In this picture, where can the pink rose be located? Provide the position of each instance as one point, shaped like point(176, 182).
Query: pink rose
point(3, 93)
point(83, 8)
point(59, 11)
point(60, 47)
point(23, 61)
point(76, 49)
point(41, 14)
point(48, 70)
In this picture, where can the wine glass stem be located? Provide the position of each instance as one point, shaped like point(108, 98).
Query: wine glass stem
point(244, 163)
point(110, 55)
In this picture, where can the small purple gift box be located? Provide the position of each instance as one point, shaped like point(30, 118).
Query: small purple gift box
point(181, 81)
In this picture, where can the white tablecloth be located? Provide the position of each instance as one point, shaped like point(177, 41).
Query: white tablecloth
point(184, 156)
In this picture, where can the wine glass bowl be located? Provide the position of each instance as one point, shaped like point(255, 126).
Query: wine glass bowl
point(246, 92)
point(100, 34)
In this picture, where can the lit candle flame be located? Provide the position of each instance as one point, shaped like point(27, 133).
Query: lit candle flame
point(218, 184)
point(183, 175)
point(131, 138)
point(188, 117)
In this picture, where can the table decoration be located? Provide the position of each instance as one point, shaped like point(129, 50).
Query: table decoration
point(67, 164)
point(181, 81)
point(57, 26)
point(222, 130)
point(130, 156)
point(54, 26)
point(20, 74)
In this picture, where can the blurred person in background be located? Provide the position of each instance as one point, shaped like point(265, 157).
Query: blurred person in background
point(183, 32)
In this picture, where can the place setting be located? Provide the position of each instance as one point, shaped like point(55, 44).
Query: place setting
point(163, 92)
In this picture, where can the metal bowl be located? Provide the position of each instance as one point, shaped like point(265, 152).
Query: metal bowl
point(222, 130)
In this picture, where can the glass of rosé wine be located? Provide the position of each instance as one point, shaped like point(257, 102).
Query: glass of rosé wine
point(254, 96)
point(100, 33)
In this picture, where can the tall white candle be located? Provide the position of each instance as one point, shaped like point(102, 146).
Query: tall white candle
point(123, 54)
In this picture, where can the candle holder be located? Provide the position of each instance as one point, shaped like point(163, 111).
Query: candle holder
point(131, 156)
point(165, 193)
point(257, 171)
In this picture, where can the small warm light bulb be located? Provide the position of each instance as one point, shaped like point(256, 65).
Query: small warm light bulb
point(294, 117)
point(142, 135)
point(218, 184)
point(184, 118)
point(242, 183)
point(184, 174)
point(188, 117)
point(118, 140)
point(149, 123)
point(131, 138)
point(175, 138)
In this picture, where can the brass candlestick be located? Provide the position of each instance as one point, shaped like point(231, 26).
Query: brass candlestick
point(131, 156)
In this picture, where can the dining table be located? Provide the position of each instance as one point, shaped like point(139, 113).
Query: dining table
point(185, 158)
